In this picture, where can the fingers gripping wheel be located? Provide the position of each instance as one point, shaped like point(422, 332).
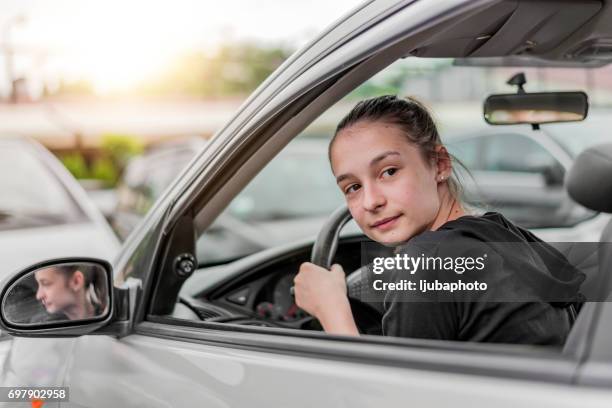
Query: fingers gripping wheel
point(324, 248)
point(367, 318)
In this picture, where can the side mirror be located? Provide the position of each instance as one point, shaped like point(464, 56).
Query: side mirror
point(553, 175)
point(64, 297)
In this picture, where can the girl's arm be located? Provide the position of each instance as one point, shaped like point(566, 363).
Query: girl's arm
point(322, 293)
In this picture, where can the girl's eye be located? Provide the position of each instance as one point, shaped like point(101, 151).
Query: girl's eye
point(389, 172)
point(352, 188)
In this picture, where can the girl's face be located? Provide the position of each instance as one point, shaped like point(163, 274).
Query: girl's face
point(55, 291)
point(390, 189)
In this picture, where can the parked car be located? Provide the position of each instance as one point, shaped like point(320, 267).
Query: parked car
point(44, 213)
point(259, 217)
point(176, 333)
point(520, 173)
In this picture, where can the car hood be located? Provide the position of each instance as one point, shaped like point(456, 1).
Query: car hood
point(22, 248)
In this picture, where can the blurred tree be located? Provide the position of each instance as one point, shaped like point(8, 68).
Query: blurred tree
point(104, 169)
point(236, 69)
point(395, 79)
point(117, 150)
point(75, 163)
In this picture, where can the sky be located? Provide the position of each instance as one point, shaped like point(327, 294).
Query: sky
point(114, 42)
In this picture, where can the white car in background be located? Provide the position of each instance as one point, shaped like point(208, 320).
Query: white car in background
point(44, 212)
point(520, 173)
point(260, 217)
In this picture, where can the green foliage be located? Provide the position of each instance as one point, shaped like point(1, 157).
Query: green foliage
point(115, 151)
point(104, 169)
point(76, 165)
point(120, 148)
point(236, 69)
point(394, 79)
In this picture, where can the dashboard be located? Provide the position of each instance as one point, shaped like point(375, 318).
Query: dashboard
point(256, 290)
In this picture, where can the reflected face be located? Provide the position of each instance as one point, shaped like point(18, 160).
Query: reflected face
point(390, 189)
point(56, 291)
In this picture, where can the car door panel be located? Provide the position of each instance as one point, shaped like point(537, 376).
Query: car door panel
point(161, 372)
point(30, 362)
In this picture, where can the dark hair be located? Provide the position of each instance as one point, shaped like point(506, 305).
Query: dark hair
point(69, 270)
point(411, 117)
point(91, 278)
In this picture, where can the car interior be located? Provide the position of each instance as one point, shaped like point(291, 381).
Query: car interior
point(255, 290)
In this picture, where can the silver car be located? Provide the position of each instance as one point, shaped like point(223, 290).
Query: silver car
point(520, 173)
point(44, 212)
point(301, 172)
point(172, 330)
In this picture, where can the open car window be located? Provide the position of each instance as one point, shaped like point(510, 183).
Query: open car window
point(296, 191)
point(287, 201)
point(249, 256)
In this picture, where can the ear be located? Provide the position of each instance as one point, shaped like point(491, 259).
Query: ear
point(443, 163)
point(77, 280)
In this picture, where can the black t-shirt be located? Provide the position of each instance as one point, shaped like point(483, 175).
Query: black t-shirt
point(531, 297)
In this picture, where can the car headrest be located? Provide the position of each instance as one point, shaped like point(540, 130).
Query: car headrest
point(589, 181)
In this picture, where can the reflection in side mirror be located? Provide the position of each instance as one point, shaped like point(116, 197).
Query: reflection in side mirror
point(58, 293)
point(536, 108)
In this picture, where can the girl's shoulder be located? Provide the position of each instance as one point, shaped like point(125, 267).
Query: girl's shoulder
point(488, 227)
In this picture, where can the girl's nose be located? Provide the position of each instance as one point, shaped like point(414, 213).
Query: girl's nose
point(373, 198)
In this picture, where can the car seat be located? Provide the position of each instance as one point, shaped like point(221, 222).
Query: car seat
point(589, 183)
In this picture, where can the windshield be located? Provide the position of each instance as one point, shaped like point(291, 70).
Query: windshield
point(575, 137)
point(32, 195)
point(516, 170)
point(297, 185)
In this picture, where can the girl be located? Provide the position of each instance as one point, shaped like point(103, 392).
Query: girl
point(398, 181)
point(70, 292)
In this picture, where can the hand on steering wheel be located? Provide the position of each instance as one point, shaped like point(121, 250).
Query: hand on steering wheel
point(367, 318)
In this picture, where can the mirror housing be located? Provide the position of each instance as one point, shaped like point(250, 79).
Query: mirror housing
point(554, 176)
point(535, 108)
point(38, 316)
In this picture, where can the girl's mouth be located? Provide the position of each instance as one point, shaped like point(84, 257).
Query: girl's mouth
point(385, 223)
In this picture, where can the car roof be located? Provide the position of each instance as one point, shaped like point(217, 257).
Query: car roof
point(17, 141)
point(559, 31)
point(528, 33)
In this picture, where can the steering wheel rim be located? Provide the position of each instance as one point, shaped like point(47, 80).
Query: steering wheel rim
point(326, 244)
point(367, 317)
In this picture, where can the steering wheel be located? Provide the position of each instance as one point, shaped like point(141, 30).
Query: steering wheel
point(367, 317)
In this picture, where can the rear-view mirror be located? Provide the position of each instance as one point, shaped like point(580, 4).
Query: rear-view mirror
point(535, 108)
